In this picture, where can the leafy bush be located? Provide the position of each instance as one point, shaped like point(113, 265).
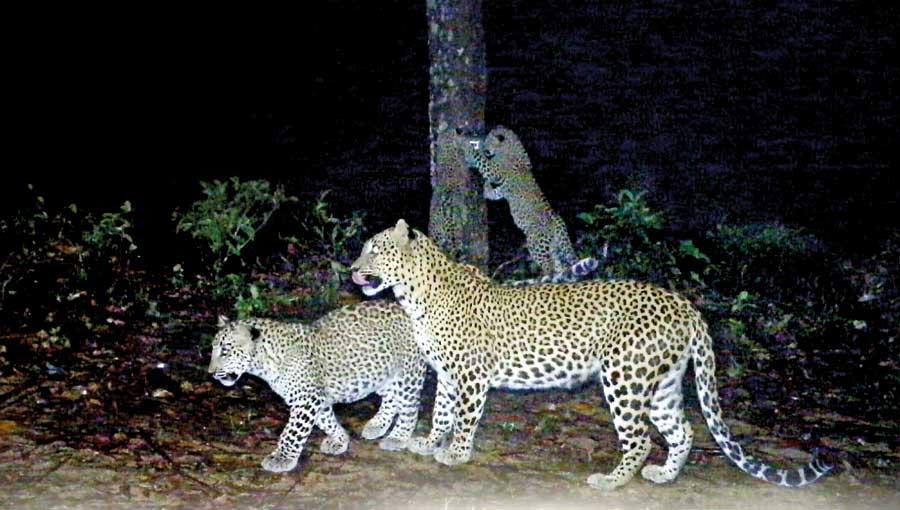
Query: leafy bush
point(226, 222)
point(630, 234)
point(111, 233)
point(326, 240)
point(58, 264)
point(323, 249)
point(230, 217)
point(762, 256)
point(758, 295)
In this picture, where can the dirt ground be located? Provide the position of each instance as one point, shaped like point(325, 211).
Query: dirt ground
point(537, 460)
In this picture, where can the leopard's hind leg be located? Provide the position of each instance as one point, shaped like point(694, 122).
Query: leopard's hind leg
point(667, 414)
point(629, 402)
point(337, 439)
point(408, 395)
point(379, 424)
point(442, 421)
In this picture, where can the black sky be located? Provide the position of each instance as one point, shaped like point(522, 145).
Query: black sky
point(727, 112)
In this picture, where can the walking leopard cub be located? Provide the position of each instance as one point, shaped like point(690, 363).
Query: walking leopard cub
point(344, 356)
point(637, 339)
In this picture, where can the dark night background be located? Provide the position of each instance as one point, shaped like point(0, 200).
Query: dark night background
point(726, 113)
point(736, 112)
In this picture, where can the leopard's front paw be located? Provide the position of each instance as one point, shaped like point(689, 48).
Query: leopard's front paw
point(658, 474)
point(421, 445)
point(332, 446)
point(278, 463)
point(375, 429)
point(604, 483)
point(451, 456)
point(393, 444)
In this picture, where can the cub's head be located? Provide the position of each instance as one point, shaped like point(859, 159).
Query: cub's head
point(233, 351)
point(471, 145)
point(380, 265)
point(500, 158)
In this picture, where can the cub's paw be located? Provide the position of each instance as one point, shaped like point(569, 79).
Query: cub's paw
point(657, 474)
point(375, 429)
point(452, 457)
point(332, 446)
point(603, 482)
point(394, 445)
point(420, 445)
point(277, 463)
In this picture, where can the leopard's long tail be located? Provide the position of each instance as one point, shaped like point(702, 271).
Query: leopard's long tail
point(705, 374)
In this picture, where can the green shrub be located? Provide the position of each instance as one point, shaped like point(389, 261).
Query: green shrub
point(320, 254)
point(630, 234)
point(112, 233)
point(230, 217)
point(226, 222)
point(325, 246)
point(762, 256)
point(61, 266)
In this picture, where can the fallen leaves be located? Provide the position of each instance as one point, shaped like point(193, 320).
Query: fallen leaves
point(9, 427)
point(162, 393)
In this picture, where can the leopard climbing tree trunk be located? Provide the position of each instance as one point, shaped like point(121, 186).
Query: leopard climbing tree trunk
point(458, 220)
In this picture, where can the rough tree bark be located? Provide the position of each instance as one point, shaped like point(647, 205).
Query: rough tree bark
point(458, 220)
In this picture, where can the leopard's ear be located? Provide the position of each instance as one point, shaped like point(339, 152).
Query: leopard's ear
point(223, 321)
point(244, 334)
point(403, 236)
point(499, 133)
point(401, 229)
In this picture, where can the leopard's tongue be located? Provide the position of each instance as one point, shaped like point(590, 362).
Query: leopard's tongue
point(359, 279)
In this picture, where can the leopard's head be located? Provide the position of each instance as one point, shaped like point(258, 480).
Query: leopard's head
point(501, 160)
point(381, 264)
point(233, 351)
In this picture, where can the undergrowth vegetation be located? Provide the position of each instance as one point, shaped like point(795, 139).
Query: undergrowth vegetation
point(226, 223)
point(306, 274)
point(771, 292)
point(58, 263)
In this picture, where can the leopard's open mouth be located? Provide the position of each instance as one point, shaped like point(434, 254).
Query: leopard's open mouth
point(370, 285)
point(227, 378)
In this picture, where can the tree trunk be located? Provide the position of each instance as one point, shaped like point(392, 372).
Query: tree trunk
point(458, 220)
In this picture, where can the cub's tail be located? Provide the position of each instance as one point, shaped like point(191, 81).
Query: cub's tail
point(576, 272)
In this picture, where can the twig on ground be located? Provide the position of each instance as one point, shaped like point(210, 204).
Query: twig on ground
point(43, 476)
point(165, 455)
point(19, 391)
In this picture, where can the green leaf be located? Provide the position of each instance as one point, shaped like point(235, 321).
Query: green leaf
point(586, 217)
point(688, 248)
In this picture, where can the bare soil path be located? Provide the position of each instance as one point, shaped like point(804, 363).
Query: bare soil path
point(524, 459)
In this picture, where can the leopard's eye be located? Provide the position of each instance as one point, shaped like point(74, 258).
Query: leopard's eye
point(489, 154)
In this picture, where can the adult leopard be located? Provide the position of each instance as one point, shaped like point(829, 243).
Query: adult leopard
point(344, 356)
point(503, 163)
point(636, 338)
